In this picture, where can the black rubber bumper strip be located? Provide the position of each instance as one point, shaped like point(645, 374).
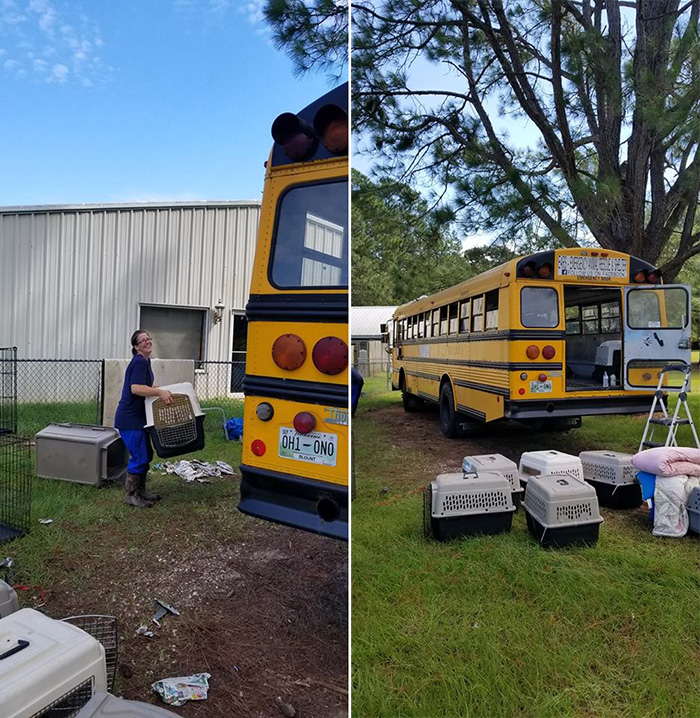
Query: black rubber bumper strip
point(308, 392)
point(326, 308)
point(294, 501)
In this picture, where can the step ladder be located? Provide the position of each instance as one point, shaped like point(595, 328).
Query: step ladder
point(670, 422)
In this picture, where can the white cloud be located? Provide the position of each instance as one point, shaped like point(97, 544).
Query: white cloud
point(10, 64)
point(59, 73)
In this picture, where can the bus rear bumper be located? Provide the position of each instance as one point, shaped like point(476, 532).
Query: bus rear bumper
point(586, 406)
point(294, 501)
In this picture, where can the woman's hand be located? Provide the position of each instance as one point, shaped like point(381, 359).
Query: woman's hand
point(165, 395)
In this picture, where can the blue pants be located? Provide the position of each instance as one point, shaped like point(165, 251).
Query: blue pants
point(141, 452)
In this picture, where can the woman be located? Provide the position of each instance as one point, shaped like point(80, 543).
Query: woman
point(130, 419)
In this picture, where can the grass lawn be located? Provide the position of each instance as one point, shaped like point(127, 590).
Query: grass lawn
point(497, 626)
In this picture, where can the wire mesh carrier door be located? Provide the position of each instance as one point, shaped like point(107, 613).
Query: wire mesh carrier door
point(104, 630)
point(176, 427)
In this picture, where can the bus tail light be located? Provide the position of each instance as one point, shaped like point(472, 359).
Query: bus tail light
point(264, 411)
point(304, 422)
point(296, 136)
point(258, 447)
point(331, 125)
point(330, 355)
point(542, 377)
point(532, 351)
point(548, 352)
point(289, 352)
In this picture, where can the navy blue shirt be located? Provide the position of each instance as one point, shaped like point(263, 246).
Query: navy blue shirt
point(131, 411)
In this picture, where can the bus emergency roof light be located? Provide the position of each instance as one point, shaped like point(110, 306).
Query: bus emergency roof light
point(528, 270)
point(641, 276)
point(296, 136)
point(544, 271)
point(654, 277)
point(331, 125)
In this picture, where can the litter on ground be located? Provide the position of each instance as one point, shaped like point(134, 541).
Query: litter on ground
point(45, 521)
point(162, 610)
point(191, 470)
point(177, 691)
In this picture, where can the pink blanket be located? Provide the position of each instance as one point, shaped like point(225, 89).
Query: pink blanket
point(668, 461)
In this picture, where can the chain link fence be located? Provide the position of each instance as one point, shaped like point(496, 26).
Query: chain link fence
point(376, 373)
point(71, 391)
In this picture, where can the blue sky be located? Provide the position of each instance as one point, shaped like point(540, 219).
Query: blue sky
point(133, 101)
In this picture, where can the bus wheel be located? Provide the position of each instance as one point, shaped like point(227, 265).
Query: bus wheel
point(448, 415)
point(411, 402)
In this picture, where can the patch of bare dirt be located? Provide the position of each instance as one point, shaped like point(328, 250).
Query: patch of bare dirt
point(266, 616)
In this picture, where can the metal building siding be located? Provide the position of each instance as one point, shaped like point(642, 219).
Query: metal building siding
point(72, 278)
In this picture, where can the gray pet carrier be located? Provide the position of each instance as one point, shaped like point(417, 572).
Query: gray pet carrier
point(694, 510)
point(613, 477)
point(561, 511)
point(495, 462)
point(456, 506)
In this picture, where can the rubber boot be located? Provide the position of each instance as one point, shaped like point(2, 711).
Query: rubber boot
point(146, 495)
point(132, 493)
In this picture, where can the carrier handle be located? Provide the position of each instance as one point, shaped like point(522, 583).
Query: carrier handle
point(21, 645)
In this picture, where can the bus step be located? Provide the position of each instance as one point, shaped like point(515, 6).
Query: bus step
point(652, 444)
point(668, 421)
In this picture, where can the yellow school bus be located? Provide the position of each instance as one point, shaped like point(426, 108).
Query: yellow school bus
point(545, 339)
point(294, 466)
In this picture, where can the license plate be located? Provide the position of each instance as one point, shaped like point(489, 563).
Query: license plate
point(314, 448)
point(540, 387)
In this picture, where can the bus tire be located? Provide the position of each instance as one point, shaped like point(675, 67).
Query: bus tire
point(448, 415)
point(411, 402)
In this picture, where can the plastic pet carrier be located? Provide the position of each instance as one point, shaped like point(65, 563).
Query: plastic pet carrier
point(48, 668)
point(81, 453)
point(103, 705)
point(561, 511)
point(541, 463)
point(693, 506)
point(495, 462)
point(176, 428)
point(455, 506)
point(613, 477)
point(8, 600)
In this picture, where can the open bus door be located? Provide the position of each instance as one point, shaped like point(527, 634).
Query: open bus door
point(656, 333)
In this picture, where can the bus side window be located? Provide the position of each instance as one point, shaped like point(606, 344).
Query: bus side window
point(610, 318)
point(478, 314)
point(573, 320)
point(443, 321)
point(426, 324)
point(436, 322)
point(420, 325)
point(464, 316)
point(492, 309)
point(453, 317)
point(591, 324)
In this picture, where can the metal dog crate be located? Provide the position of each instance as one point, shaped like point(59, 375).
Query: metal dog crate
point(8, 600)
point(693, 506)
point(15, 487)
point(613, 477)
point(455, 506)
point(103, 705)
point(81, 453)
point(176, 428)
point(495, 462)
point(48, 668)
point(104, 629)
point(8, 390)
point(540, 463)
point(562, 510)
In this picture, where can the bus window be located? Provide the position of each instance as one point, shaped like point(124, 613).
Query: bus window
point(453, 318)
point(643, 311)
point(426, 323)
point(436, 322)
point(443, 321)
point(464, 316)
point(539, 308)
point(573, 320)
point(610, 318)
point(312, 249)
point(491, 300)
point(590, 319)
point(478, 314)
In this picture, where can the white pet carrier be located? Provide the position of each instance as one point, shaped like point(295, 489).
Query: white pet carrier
point(613, 477)
point(455, 505)
point(495, 462)
point(47, 667)
point(8, 600)
point(539, 463)
point(562, 510)
point(103, 705)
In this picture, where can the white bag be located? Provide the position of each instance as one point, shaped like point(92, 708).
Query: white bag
point(670, 498)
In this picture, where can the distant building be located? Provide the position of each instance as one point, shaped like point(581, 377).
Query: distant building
point(76, 281)
point(369, 355)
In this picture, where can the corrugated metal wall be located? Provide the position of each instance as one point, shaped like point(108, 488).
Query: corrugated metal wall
point(72, 278)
